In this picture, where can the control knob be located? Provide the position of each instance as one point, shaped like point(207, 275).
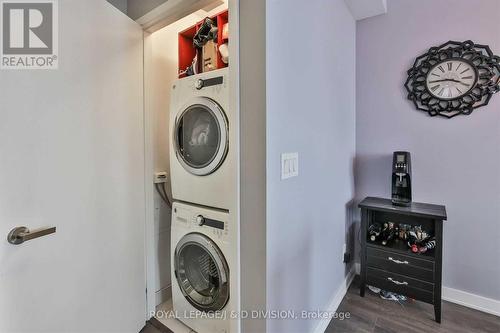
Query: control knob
point(200, 220)
point(199, 84)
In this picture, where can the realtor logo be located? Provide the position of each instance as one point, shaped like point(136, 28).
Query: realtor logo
point(29, 34)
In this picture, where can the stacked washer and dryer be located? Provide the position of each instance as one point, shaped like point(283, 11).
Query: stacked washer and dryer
point(203, 244)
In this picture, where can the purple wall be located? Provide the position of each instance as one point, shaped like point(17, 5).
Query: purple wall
point(310, 110)
point(455, 162)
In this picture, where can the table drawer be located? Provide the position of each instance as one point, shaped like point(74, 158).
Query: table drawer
point(400, 284)
point(405, 265)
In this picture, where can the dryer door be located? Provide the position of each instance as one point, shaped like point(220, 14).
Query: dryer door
point(202, 272)
point(201, 136)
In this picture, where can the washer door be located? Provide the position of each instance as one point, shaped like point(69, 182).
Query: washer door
point(201, 136)
point(202, 272)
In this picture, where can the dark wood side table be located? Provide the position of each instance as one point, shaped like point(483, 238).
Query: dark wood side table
point(395, 267)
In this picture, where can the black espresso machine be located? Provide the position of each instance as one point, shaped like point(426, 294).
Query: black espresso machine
point(401, 178)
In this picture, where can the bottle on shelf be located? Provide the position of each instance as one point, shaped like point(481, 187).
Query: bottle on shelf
point(388, 233)
point(374, 231)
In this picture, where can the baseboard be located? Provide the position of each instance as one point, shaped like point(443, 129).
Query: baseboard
point(336, 300)
point(163, 295)
point(472, 301)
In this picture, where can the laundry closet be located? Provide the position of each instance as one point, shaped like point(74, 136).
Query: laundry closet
point(191, 120)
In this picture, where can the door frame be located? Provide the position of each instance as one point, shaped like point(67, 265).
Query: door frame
point(234, 102)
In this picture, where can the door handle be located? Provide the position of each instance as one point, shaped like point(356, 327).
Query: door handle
point(20, 235)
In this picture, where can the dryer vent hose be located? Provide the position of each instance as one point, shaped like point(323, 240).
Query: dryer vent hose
point(160, 188)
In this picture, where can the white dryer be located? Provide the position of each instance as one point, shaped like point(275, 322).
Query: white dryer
point(203, 258)
point(202, 162)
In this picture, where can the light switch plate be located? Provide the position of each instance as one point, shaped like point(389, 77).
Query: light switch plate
point(289, 165)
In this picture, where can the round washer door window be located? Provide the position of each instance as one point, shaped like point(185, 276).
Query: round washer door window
point(202, 272)
point(201, 136)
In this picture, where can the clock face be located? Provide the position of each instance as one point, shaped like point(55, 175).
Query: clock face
point(451, 79)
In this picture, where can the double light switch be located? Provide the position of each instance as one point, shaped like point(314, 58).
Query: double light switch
point(289, 165)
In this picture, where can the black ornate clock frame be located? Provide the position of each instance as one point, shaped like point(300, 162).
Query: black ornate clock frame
point(482, 59)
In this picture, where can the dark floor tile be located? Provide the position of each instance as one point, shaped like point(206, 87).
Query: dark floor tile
point(149, 329)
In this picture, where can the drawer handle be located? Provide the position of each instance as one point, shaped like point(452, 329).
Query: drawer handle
point(398, 261)
point(404, 283)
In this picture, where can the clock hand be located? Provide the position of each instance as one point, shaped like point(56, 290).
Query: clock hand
point(444, 80)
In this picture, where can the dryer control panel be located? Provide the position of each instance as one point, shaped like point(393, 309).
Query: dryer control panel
point(219, 228)
point(213, 81)
point(212, 223)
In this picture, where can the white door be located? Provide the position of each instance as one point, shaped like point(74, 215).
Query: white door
point(72, 157)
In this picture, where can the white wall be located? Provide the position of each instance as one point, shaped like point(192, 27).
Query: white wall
point(164, 67)
point(310, 110)
point(455, 162)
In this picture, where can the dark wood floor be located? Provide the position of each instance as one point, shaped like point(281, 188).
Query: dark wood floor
point(149, 329)
point(373, 314)
point(154, 326)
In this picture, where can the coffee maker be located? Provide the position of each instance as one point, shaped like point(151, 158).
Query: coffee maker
point(401, 178)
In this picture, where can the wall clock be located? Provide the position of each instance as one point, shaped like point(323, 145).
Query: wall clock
point(454, 78)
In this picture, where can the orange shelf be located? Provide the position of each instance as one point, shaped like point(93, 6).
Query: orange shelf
point(187, 51)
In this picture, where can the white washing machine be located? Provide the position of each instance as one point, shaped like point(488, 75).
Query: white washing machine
point(202, 162)
point(203, 257)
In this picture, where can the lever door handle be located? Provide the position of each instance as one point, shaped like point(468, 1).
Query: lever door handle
point(20, 235)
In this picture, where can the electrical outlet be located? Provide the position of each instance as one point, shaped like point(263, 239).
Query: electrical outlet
point(160, 177)
point(346, 256)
